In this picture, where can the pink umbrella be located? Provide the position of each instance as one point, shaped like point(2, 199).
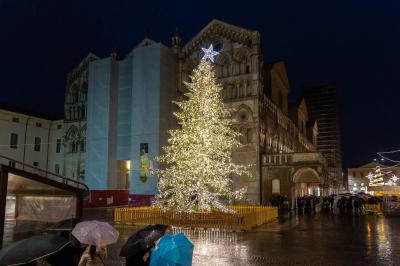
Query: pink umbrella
point(95, 233)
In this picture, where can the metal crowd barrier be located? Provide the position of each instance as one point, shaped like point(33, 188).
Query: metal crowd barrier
point(374, 209)
point(244, 217)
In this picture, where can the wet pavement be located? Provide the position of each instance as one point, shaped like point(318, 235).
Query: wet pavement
point(323, 239)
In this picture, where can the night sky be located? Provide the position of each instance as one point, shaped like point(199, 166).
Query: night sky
point(354, 44)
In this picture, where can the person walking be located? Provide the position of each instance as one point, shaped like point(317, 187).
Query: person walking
point(93, 256)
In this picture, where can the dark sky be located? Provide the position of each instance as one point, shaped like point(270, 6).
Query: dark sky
point(355, 44)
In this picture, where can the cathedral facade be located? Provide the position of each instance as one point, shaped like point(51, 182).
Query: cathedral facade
point(128, 107)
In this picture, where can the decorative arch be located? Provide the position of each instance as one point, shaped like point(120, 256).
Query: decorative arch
point(244, 114)
point(72, 133)
point(223, 58)
point(306, 175)
point(242, 54)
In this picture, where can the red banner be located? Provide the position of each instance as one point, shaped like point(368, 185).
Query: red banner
point(107, 198)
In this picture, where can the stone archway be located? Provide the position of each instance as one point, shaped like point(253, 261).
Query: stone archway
point(307, 181)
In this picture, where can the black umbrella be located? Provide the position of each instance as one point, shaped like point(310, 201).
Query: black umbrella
point(31, 249)
point(143, 240)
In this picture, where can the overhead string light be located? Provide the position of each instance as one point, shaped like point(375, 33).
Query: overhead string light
point(385, 153)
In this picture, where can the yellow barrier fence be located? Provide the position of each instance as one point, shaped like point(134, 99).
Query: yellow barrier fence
point(244, 218)
point(375, 209)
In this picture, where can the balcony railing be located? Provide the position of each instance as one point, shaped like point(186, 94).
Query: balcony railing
point(286, 123)
point(294, 158)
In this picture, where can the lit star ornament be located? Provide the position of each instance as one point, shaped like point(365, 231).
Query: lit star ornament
point(209, 53)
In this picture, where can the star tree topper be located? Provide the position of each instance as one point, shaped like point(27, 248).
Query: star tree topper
point(209, 53)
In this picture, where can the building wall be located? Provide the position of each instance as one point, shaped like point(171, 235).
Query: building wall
point(125, 100)
point(97, 151)
point(29, 127)
point(145, 115)
point(56, 148)
point(357, 176)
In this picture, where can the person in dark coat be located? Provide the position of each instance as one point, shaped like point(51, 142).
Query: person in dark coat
point(140, 259)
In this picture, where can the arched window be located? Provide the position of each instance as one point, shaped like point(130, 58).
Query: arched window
point(234, 91)
point(249, 135)
point(66, 114)
point(218, 71)
point(236, 69)
point(242, 67)
point(82, 148)
point(71, 113)
point(224, 93)
point(276, 186)
point(249, 89)
point(242, 89)
point(225, 70)
point(243, 135)
point(78, 112)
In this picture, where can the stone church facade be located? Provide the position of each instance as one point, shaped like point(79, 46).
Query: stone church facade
point(258, 94)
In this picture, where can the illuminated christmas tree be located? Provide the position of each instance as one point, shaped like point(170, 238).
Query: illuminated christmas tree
point(197, 158)
point(378, 177)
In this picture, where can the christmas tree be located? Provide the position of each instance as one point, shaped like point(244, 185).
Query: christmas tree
point(378, 177)
point(197, 158)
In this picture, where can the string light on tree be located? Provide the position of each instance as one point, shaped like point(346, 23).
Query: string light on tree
point(197, 160)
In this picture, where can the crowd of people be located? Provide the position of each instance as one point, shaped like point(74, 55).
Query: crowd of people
point(343, 203)
point(348, 203)
point(307, 204)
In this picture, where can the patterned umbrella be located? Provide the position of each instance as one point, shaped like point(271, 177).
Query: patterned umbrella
point(31, 249)
point(95, 233)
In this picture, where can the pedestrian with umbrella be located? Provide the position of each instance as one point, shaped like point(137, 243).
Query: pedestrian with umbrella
point(172, 250)
point(137, 248)
point(97, 235)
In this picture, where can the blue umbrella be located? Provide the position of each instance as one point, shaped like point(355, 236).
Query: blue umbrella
point(172, 250)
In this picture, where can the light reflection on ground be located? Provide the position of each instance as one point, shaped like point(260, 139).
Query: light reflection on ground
point(301, 240)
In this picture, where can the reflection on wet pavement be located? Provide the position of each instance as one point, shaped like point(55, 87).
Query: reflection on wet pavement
point(323, 239)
